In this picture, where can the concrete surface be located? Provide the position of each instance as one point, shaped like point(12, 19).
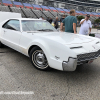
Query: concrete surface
point(18, 74)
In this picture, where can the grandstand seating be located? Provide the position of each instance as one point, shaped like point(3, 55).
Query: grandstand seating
point(37, 7)
point(27, 5)
point(95, 14)
point(53, 9)
point(45, 8)
point(66, 10)
point(39, 13)
point(29, 13)
point(55, 13)
point(7, 3)
point(99, 14)
point(60, 10)
point(18, 4)
point(18, 10)
point(35, 11)
point(4, 8)
point(48, 14)
point(78, 13)
point(89, 13)
point(83, 13)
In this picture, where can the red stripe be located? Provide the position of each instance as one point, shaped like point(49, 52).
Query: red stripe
point(97, 15)
point(77, 14)
point(38, 8)
point(8, 4)
point(47, 9)
point(81, 14)
point(84, 14)
point(19, 6)
point(55, 10)
point(29, 7)
point(62, 11)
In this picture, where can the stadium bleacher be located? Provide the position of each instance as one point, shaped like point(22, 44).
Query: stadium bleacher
point(4, 8)
point(37, 7)
point(83, 13)
point(45, 8)
point(18, 4)
point(89, 13)
point(48, 14)
point(78, 13)
point(60, 10)
point(35, 11)
point(53, 9)
point(66, 10)
point(18, 10)
point(95, 14)
point(7, 3)
point(27, 5)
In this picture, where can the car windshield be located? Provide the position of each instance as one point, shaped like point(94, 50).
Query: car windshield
point(37, 25)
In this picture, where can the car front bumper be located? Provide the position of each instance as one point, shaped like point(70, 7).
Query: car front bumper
point(70, 65)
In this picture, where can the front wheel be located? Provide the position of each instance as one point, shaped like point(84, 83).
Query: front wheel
point(39, 59)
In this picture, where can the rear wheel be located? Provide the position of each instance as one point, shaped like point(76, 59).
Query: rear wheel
point(39, 59)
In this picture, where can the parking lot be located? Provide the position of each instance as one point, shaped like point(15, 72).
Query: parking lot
point(18, 74)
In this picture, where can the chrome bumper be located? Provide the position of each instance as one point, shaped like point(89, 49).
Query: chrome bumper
point(70, 65)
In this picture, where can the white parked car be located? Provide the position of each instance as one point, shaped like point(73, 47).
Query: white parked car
point(46, 47)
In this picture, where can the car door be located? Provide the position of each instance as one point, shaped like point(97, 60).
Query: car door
point(11, 34)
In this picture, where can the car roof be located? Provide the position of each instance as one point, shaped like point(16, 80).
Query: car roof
point(26, 19)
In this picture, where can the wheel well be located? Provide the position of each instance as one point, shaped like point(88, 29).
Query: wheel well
point(32, 47)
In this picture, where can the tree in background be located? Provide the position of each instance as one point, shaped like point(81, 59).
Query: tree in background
point(79, 18)
point(97, 21)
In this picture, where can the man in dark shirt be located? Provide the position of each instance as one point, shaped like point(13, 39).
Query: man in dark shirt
point(50, 20)
point(70, 23)
point(56, 23)
point(62, 18)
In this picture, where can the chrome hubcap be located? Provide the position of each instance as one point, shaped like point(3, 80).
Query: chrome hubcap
point(39, 59)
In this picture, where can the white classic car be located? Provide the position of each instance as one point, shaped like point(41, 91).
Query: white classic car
point(46, 47)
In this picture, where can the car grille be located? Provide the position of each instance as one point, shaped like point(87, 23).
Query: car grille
point(88, 56)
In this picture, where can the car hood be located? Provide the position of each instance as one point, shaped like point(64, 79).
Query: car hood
point(67, 38)
point(79, 44)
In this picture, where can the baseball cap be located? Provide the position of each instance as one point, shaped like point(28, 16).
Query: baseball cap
point(88, 15)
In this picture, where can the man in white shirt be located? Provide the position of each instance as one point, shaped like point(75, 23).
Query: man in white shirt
point(85, 25)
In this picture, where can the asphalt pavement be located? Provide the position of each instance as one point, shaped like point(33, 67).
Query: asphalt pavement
point(18, 74)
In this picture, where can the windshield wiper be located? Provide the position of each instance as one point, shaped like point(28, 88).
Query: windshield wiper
point(45, 30)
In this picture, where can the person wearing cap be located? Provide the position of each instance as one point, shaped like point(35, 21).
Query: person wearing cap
point(85, 25)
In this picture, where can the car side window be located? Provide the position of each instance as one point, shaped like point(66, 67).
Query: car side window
point(12, 25)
